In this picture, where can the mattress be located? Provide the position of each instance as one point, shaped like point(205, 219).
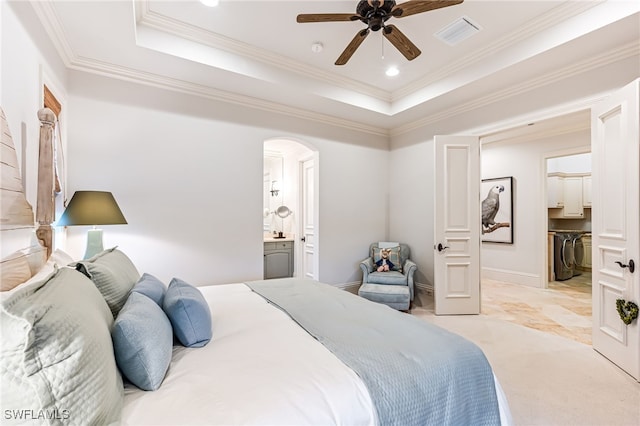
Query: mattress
point(259, 368)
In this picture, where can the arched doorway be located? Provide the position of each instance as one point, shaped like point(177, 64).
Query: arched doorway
point(290, 195)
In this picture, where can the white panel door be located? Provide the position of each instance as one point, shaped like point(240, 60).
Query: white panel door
point(308, 239)
point(615, 148)
point(457, 225)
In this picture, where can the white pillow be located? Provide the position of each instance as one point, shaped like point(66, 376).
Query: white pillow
point(61, 258)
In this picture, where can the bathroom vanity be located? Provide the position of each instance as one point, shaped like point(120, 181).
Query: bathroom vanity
point(278, 257)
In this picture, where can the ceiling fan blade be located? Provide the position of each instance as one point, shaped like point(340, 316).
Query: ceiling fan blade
point(326, 17)
point(351, 48)
point(401, 42)
point(409, 8)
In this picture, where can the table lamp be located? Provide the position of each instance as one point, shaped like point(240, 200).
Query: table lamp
point(92, 208)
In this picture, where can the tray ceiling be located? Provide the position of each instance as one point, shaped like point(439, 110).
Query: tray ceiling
point(254, 53)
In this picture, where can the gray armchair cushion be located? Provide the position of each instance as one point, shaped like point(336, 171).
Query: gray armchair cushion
point(391, 278)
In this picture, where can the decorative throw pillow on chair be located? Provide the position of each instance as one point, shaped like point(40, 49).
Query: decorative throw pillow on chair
point(393, 256)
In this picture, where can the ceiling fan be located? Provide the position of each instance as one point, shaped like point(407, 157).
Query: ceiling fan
point(375, 14)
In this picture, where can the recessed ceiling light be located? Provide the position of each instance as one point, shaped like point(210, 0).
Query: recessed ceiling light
point(210, 3)
point(317, 47)
point(392, 71)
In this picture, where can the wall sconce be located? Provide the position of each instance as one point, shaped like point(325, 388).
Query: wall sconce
point(274, 188)
point(92, 208)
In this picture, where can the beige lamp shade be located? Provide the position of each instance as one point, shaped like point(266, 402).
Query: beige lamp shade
point(92, 208)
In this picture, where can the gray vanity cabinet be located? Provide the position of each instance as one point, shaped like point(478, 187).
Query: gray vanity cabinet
point(278, 259)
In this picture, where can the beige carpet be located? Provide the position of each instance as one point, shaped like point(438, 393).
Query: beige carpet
point(548, 379)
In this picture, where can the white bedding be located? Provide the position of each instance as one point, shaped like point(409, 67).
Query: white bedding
point(259, 368)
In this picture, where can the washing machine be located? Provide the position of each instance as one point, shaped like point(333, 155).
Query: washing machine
point(568, 254)
point(577, 249)
point(563, 255)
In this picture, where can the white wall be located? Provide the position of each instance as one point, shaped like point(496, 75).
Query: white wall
point(520, 262)
point(188, 175)
point(578, 163)
point(26, 64)
point(411, 204)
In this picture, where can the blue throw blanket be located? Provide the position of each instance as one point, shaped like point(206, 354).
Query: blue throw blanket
point(416, 373)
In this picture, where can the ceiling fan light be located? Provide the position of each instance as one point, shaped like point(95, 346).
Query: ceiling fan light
point(210, 3)
point(392, 71)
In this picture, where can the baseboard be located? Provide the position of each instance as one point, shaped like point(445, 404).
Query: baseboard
point(520, 278)
point(350, 287)
point(424, 287)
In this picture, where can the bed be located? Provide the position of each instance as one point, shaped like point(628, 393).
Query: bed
point(254, 360)
point(98, 342)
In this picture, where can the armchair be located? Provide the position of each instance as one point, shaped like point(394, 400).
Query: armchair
point(393, 288)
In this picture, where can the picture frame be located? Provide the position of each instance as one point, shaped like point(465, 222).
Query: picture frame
point(497, 223)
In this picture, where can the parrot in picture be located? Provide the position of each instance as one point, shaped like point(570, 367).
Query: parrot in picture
point(491, 205)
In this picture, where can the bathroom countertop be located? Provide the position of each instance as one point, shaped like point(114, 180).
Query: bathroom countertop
point(275, 240)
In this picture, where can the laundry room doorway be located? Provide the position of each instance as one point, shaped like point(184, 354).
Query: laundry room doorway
point(516, 274)
point(569, 217)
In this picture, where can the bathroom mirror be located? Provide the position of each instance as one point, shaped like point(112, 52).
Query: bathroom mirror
point(273, 185)
point(283, 211)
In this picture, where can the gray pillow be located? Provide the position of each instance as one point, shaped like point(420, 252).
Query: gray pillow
point(114, 274)
point(57, 354)
point(142, 342)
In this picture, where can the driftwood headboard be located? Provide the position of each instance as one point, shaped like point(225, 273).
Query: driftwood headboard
point(16, 212)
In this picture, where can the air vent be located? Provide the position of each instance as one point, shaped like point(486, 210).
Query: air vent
point(458, 30)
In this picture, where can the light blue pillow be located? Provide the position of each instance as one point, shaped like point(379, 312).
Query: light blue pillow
point(142, 342)
point(188, 312)
point(151, 287)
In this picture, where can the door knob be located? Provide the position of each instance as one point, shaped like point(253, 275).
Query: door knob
point(631, 265)
point(303, 239)
point(441, 247)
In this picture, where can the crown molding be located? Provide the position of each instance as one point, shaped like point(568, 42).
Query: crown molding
point(622, 52)
point(533, 134)
point(52, 25)
point(151, 79)
point(55, 30)
point(47, 15)
point(547, 20)
point(157, 21)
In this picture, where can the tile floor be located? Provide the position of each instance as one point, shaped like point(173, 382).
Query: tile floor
point(563, 309)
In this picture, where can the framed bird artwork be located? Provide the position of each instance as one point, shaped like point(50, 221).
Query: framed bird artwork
point(497, 210)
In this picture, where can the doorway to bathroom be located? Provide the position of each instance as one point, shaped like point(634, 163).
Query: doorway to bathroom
point(290, 209)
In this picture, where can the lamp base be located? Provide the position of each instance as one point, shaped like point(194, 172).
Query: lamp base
point(94, 243)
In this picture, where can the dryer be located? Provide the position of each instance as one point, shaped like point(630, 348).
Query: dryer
point(568, 254)
point(563, 255)
point(577, 249)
